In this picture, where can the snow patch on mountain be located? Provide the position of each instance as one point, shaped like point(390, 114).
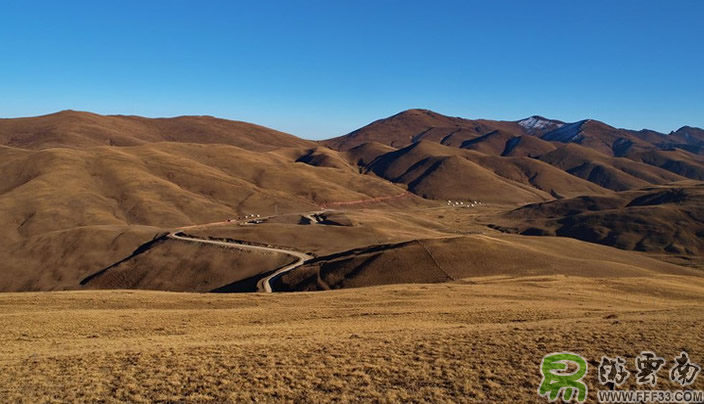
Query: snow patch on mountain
point(538, 122)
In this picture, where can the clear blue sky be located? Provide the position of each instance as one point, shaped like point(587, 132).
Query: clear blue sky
point(323, 68)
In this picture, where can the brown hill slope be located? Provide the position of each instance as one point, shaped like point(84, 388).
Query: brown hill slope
point(176, 265)
point(414, 125)
point(109, 191)
point(165, 184)
point(685, 138)
point(656, 219)
point(83, 129)
point(493, 143)
point(322, 157)
point(58, 260)
point(540, 175)
point(365, 153)
point(615, 173)
point(597, 136)
point(680, 152)
point(438, 172)
point(341, 230)
point(499, 143)
point(452, 259)
point(623, 142)
point(677, 161)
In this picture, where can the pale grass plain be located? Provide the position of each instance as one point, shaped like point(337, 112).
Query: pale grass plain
point(478, 340)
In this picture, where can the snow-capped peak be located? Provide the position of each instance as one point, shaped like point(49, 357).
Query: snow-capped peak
point(538, 122)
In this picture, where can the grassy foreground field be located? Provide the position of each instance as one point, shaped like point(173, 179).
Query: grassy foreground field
point(478, 341)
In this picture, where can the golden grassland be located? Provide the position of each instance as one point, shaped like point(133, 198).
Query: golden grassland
point(468, 341)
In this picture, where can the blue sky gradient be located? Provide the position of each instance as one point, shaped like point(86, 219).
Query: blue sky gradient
point(320, 69)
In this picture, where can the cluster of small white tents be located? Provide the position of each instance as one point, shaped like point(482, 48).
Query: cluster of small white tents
point(252, 216)
point(462, 204)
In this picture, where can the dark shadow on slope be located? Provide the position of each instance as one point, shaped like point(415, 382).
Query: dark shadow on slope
point(248, 285)
point(510, 145)
point(470, 142)
point(412, 186)
point(668, 196)
point(158, 239)
point(357, 251)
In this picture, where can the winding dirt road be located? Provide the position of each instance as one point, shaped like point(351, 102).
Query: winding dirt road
point(264, 284)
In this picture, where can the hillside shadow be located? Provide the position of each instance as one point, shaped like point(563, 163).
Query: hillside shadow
point(140, 250)
point(247, 285)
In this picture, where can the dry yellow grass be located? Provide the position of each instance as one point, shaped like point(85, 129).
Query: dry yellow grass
point(83, 191)
point(456, 342)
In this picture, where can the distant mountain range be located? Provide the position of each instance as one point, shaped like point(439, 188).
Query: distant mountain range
point(73, 181)
point(613, 159)
point(418, 124)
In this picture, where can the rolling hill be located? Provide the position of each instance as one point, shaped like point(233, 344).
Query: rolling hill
point(70, 207)
point(76, 129)
point(415, 125)
point(464, 258)
point(665, 219)
point(81, 192)
point(439, 172)
point(615, 173)
point(678, 152)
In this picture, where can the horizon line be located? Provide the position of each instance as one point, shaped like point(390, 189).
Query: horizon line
point(346, 133)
